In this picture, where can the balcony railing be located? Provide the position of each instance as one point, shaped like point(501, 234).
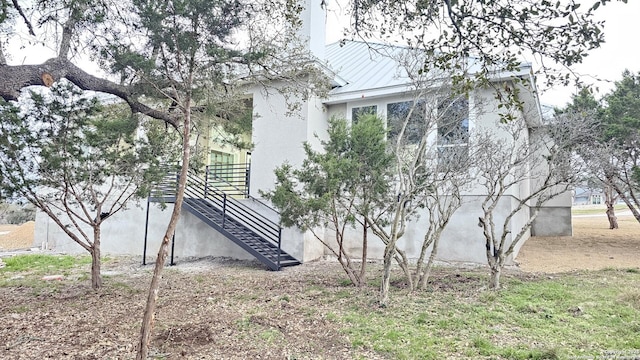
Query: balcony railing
point(232, 179)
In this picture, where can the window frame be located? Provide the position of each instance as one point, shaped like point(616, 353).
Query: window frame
point(460, 143)
point(351, 111)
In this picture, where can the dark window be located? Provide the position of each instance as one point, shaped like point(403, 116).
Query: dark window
point(405, 111)
point(453, 130)
point(357, 112)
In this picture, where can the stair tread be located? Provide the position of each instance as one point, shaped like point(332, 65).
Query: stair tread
point(267, 250)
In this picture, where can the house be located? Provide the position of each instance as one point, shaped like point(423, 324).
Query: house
point(364, 77)
point(584, 196)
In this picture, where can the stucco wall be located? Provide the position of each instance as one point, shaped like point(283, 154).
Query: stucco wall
point(553, 221)
point(123, 233)
point(461, 241)
point(277, 136)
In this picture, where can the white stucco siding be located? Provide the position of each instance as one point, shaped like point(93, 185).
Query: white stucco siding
point(317, 123)
point(277, 135)
point(123, 234)
point(461, 241)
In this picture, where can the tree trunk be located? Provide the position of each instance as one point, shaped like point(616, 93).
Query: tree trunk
point(363, 265)
point(432, 258)
point(610, 199)
point(494, 282)
point(152, 297)
point(96, 277)
point(623, 196)
point(611, 215)
point(386, 275)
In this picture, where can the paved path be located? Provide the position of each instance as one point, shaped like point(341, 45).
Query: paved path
point(618, 213)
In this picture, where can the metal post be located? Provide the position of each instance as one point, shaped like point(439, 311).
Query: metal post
point(247, 179)
point(224, 208)
point(279, 245)
point(146, 231)
point(206, 180)
point(173, 245)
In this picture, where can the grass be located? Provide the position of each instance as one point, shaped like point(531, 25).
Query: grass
point(40, 263)
point(27, 270)
point(567, 316)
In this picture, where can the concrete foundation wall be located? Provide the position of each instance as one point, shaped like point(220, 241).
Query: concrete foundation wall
point(123, 233)
point(553, 221)
point(461, 241)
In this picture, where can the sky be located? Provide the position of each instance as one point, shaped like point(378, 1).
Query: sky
point(620, 51)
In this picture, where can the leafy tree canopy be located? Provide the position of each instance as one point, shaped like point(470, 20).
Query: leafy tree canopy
point(497, 34)
point(151, 50)
point(622, 114)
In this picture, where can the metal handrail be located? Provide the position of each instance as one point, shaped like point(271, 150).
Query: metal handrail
point(236, 177)
point(230, 207)
point(233, 177)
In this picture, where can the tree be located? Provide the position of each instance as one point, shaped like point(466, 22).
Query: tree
point(77, 161)
point(496, 33)
point(621, 130)
point(596, 154)
point(191, 61)
point(612, 155)
point(526, 167)
point(16, 213)
point(429, 176)
point(337, 188)
point(428, 139)
point(170, 60)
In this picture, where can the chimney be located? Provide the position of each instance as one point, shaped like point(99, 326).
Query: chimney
point(312, 32)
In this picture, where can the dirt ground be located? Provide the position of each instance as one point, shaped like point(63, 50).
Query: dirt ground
point(226, 309)
point(593, 246)
point(14, 237)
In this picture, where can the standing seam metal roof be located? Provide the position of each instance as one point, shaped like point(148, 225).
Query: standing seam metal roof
point(366, 66)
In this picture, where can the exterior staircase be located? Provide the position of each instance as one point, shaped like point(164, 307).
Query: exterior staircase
point(225, 213)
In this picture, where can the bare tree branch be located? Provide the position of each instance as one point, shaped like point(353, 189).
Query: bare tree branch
point(17, 77)
point(24, 17)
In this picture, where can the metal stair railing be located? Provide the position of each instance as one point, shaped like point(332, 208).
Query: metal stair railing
point(232, 179)
point(199, 188)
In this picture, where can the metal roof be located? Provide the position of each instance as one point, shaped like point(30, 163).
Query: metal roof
point(366, 66)
point(373, 69)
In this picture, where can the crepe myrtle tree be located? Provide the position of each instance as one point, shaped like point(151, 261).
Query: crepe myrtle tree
point(620, 125)
point(598, 155)
point(527, 167)
point(428, 138)
point(336, 189)
point(612, 155)
point(78, 161)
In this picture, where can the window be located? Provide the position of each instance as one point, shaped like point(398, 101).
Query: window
point(357, 112)
point(221, 165)
point(405, 111)
point(220, 158)
point(453, 130)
